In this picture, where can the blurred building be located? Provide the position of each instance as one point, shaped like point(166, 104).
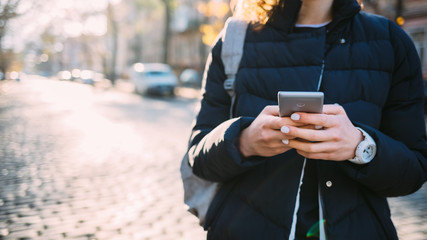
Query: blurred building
point(197, 22)
point(83, 52)
point(136, 29)
point(411, 15)
point(187, 49)
point(137, 37)
point(414, 17)
point(195, 25)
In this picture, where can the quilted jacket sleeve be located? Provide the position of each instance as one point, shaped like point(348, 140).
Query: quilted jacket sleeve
point(400, 165)
point(213, 150)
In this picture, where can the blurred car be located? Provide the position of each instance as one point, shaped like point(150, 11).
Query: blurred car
point(75, 74)
point(83, 76)
point(14, 76)
point(87, 77)
point(64, 75)
point(153, 78)
point(190, 77)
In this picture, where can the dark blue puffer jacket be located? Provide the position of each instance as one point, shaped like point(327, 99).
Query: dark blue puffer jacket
point(370, 68)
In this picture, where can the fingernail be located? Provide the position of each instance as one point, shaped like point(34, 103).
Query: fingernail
point(318, 127)
point(284, 129)
point(285, 141)
point(336, 104)
point(295, 116)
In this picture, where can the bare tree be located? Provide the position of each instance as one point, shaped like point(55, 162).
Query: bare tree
point(399, 8)
point(144, 8)
point(113, 28)
point(167, 33)
point(8, 11)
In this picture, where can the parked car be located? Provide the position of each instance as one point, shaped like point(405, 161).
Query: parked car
point(75, 74)
point(64, 75)
point(190, 78)
point(88, 77)
point(14, 76)
point(153, 78)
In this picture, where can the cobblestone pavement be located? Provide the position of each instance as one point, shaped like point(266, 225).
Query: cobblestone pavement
point(83, 163)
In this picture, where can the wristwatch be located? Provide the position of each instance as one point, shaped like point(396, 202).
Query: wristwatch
point(366, 149)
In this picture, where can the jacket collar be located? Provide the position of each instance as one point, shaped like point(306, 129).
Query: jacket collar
point(285, 15)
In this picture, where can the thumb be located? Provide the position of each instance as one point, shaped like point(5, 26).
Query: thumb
point(333, 109)
point(271, 110)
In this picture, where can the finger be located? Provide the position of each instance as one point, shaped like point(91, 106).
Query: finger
point(278, 136)
point(312, 147)
point(310, 134)
point(271, 110)
point(270, 137)
point(273, 147)
point(334, 156)
point(308, 126)
point(333, 109)
point(278, 122)
point(323, 156)
point(318, 150)
point(319, 120)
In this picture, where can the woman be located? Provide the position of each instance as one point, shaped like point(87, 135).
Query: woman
point(293, 177)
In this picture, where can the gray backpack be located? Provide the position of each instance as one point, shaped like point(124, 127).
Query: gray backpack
point(199, 193)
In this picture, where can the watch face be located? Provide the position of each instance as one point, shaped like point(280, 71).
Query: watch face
point(367, 152)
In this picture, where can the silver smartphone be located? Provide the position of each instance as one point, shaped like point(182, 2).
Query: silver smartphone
point(290, 102)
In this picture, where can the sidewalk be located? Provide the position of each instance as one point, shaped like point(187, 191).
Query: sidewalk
point(104, 170)
point(409, 215)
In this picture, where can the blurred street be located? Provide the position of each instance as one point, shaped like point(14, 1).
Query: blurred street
point(83, 163)
point(78, 162)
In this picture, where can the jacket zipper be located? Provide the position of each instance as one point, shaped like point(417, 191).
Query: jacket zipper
point(297, 201)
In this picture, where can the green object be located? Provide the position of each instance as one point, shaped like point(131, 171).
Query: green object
point(314, 231)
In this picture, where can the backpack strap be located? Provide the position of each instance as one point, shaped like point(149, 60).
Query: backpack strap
point(231, 53)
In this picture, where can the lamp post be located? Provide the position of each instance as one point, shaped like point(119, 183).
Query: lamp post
point(399, 10)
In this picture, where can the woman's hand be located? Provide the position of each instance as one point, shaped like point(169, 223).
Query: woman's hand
point(263, 137)
point(336, 141)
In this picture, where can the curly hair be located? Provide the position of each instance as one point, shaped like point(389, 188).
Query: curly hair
point(255, 11)
point(258, 11)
